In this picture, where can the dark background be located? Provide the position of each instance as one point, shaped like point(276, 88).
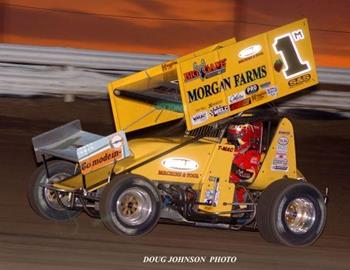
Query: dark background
point(29, 242)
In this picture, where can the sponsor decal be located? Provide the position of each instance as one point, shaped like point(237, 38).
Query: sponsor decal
point(236, 97)
point(280, 163)
point(250, 58)
point(281, 156)
point(259, 96)
point(298, 35)
point(168, 65)
point(283, 141)
point(226, 148)
point(215, 103)
point(205, 71)
point(180, 164)
point(170, 173)
point(250, 53)
point(99, 160)
point(178, 174)
point(271, 91)
point(199, 118)
point(216, 87)
point(282, 145)
point(102, 152)
point(211, 196)
point(250, 76)
point(116, 141)
point(284, 132)
point(292, 63)
point(251, 89)
point(191, 175)
point(200, 109)
point(239, 104)
point(282, 149)
point(208, 90)
point(219, 110)
point(299, 80)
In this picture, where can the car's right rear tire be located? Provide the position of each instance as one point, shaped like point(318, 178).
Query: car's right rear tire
point(291, 212)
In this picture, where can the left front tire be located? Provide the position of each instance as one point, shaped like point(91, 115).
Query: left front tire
point(130, 205)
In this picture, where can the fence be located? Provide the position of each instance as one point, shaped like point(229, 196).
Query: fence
point(37, 70)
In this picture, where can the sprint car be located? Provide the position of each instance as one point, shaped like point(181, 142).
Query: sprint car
point(233, 166)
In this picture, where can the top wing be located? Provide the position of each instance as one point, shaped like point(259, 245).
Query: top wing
point(217, 82)
point(246, 74)
point(152, 96)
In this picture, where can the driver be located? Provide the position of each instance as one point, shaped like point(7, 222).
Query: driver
point(246, 163)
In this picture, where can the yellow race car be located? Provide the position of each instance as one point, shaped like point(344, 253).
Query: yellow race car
point(233, 165)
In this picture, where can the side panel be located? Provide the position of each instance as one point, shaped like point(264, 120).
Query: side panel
point(185, 165)
point(246, 74)
point(216, 187)
point(280, 160)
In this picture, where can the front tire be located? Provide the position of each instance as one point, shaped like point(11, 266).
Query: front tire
point(291, 212)
point(130, 205)
point(43, 200)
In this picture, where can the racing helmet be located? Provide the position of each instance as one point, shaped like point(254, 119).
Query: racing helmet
point(240, 135)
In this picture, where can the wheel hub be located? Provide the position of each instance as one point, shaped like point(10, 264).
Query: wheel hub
point(300, 215)
point(52, 196)
point(134, 206)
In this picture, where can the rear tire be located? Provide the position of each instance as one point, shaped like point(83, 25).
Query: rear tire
point(291, 212)
point(44, 201)
point(130, 205)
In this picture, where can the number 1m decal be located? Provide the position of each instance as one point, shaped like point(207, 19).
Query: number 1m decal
point(285, 46)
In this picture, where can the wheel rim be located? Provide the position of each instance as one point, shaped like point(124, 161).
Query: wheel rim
point(51, 196)
point(300, 215)
point(134, 206)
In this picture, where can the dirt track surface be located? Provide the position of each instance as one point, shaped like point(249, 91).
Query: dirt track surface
point(29, 242)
